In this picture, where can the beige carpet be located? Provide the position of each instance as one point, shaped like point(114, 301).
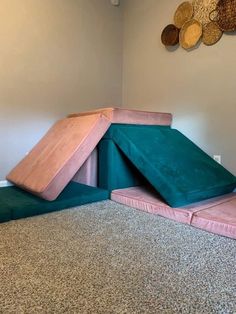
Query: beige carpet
point(108, 258)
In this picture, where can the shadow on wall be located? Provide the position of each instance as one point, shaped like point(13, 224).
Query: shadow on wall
point(197, 128)
point(174, 48)
point(195, 124)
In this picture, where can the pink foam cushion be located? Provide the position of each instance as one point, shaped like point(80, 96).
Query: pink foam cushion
point(119, 115)
point(88, 173)
point(220, 219)
point(52, 163)
point(217, 215)
point(144, 199)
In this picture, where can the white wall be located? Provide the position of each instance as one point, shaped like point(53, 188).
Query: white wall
point(56, 57)
point(198, 87)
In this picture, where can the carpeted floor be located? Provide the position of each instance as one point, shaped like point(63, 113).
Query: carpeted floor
point(108, 258)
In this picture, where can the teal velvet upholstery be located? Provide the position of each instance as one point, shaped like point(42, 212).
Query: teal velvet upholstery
point(115, 171)
point(16, 203)
point(5, 211)
point(179, 170)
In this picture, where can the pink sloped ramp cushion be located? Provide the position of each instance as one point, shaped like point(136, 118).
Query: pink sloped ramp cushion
point(53, 162)
point(216, 215)
point(126, 116)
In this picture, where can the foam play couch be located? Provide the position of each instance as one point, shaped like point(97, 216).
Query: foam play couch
point(133, 157)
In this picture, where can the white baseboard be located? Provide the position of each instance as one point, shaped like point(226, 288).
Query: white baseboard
point(5, 183)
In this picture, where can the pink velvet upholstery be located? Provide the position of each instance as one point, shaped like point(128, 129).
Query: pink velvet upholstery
point(217, 215)
point(53, 162)
point(119, 115)
point(220, 219)
point(88, 173)
point(141, 198)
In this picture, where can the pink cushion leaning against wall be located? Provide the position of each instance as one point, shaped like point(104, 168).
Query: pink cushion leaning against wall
point(53, 162)
point(126, 116)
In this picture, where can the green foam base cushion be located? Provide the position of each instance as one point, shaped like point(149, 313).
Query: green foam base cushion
point(16, 203)
point(115, 171)
point(179, 170)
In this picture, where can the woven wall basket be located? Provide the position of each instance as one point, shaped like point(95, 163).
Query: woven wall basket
point(190, 34)
point(202, 9)
point(211, 33)
point(170, 35)
point(225, 15)
point(183, 13)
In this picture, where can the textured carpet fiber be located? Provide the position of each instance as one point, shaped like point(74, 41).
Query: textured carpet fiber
point(108, 258)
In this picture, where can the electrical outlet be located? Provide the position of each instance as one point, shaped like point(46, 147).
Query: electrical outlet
point(217, 158)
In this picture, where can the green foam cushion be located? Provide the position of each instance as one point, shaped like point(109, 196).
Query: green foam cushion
point(16, 203)
point(179, 170)
point(115, 169)
point(5, 211)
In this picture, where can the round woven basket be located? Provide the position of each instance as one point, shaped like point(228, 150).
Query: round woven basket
point(183, 13)
point(170, 35)
point(190, 34)
point(211, 33)
point(225, 15)
point(202, 9)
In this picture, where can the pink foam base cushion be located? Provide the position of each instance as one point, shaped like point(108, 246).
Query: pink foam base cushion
point(220, 219)
point(88, 173)
point(53, 162)
point(217, 215)
point(119, 115)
